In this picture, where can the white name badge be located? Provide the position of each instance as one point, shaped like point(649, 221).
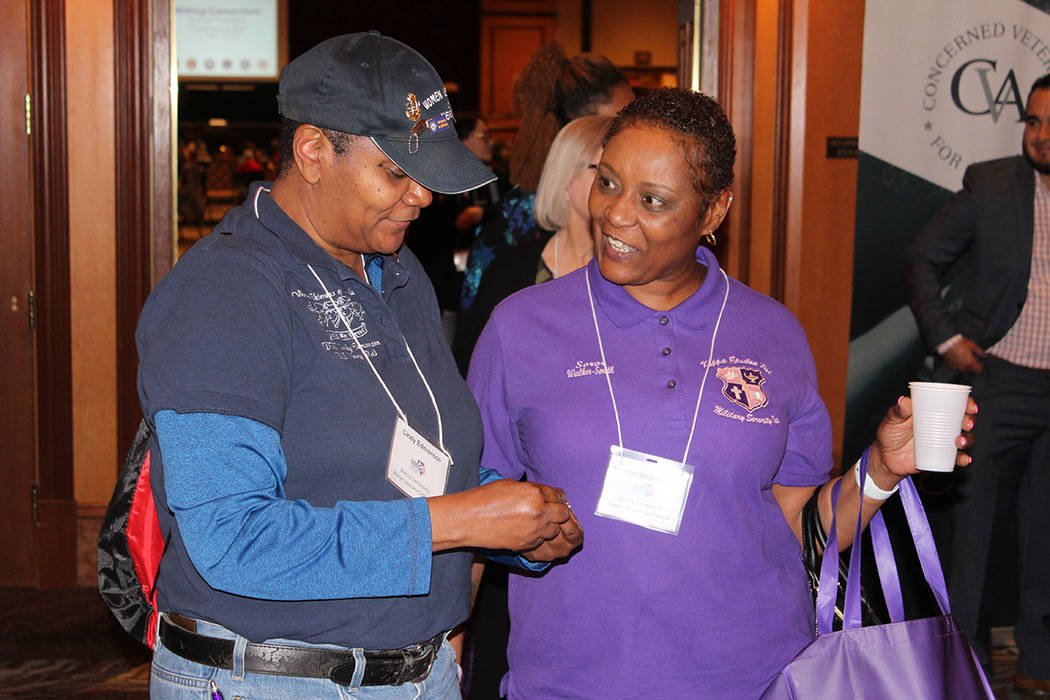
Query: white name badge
point(416, 467)
point(645, 490)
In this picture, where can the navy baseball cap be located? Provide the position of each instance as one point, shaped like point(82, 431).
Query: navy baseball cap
point(371, 85)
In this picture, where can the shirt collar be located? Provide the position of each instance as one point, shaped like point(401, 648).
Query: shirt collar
point(1040, 186)
point(383, 270)
point(374, 271)
point(625, 311)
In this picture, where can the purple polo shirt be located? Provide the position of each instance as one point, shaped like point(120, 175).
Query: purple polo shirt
point(719, 609)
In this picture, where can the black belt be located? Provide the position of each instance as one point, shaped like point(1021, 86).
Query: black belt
point(1006, 365)
point(388, 667)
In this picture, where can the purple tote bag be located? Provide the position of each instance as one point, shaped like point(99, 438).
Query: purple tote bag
point(927, 658)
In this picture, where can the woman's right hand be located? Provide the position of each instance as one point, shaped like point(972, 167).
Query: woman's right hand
point(506, 514)
point(569, 537)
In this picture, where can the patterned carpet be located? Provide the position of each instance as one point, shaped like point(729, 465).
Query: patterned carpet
point(66, 644)
point(1004, 661)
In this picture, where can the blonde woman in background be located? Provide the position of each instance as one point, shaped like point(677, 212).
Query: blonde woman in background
point(550, 91)
point(561, 197)
point(561, 207)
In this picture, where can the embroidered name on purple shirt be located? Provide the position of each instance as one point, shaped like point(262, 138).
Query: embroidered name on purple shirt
point(588, 369)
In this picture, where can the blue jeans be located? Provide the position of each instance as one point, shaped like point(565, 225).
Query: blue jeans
point(175, 678)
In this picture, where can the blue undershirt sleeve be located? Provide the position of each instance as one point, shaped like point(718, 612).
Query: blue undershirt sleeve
point(224, 478)
point(488, 475)
point(508, 558)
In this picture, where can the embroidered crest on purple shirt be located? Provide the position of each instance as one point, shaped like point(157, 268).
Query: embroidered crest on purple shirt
point(743, 386)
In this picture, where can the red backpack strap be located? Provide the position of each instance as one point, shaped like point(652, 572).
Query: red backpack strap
point(146, 543)
point(130, 545)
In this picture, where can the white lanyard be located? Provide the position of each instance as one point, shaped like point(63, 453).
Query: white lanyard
point(361, 349)
point(555, 256)
point(703, 381)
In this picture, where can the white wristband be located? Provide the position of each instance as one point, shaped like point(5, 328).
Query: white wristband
point(871, 489)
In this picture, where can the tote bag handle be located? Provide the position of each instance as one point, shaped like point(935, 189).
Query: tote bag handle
point(888, 575)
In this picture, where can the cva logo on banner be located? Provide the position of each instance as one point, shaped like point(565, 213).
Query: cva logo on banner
point(976, 87)
point(932, 103)
point(1008, 94)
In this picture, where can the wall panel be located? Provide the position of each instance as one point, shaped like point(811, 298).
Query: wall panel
point(89, 70)
point(507, 42)
point(93, 292)
point(822, 192)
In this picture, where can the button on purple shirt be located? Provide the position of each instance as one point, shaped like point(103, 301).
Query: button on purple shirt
point(717, 610)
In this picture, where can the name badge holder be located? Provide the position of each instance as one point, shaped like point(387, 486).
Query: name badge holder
point(645, 490)
point(640, 488)
point(415, 465)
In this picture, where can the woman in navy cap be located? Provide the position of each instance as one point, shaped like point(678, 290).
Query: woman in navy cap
point(315, 452)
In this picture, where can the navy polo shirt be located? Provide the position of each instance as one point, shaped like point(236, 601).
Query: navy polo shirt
point(240, 326)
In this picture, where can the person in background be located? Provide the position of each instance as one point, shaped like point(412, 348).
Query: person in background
point(474, 132)
point(249, 168)
point(998, 341)
point(561, 197)
point(314, 458)
point(679, 410)
point(441, 236)
point(561, 208)
point(551, 91)
point(191, 186)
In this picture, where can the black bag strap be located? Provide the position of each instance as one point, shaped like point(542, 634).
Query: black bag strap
point(814, 539)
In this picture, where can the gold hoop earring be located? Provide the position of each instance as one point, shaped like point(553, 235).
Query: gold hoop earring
point(710, 239)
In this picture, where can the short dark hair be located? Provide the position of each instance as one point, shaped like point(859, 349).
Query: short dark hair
point(1042, 83)
point(340, 142)
point(700, 128)
point(586, 81)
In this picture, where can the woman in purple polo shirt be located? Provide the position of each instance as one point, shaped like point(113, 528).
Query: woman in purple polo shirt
point(679, 411)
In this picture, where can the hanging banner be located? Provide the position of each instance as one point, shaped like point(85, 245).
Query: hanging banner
point(222, 39)
point(944, 85)
point(945, 81)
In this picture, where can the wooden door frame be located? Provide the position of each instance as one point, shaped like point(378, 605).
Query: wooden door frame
point(144, 240)
point(17, 336)
point(735, 71)
point(145, 165)
point(56, 508)
point(796, 230)
point(736, 85)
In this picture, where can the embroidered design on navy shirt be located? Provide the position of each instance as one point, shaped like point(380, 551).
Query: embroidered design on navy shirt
point(330, 312)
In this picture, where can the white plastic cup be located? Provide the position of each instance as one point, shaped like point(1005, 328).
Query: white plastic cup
point(937, 415)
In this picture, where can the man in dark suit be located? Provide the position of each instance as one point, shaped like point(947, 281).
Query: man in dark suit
point(998, 340)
